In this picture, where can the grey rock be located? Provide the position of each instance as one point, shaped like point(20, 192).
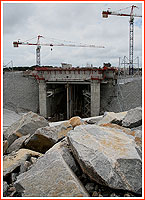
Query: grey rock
point(15, 130)
point(138, 133)
point(33, 160)
point(12, 194)
point(111, 117)
point(31, 127)
point(24, 166)
point(5, 146)
point(17, 144)
point(108, 157)
point(90, 187)
point(94, 120)
point(138, 141)
point(5, 188)
point(65, 152)
point(16, 159)
point(137, 128)
point(50, 177)
point(133, 118)
point(44, 138)
point(14, 176)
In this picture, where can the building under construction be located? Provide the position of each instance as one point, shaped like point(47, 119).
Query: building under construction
point(59, 93)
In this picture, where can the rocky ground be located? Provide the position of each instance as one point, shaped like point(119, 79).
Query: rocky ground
point(98, 157)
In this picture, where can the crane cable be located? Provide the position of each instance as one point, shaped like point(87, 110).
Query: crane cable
point(125, 8)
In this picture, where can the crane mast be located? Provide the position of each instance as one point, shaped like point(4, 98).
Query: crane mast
point(16, 44)
point(131, 42)
point(131, 32)
point(38, 51)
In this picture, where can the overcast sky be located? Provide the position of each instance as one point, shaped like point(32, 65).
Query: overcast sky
point(74, 22)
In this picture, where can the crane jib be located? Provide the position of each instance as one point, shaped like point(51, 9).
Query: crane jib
point(38, 44)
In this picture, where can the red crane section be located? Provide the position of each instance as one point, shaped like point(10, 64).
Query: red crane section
point(105, 14)
point(38, 44)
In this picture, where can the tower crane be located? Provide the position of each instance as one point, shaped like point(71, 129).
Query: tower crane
point(131, 33)
point(38, 44)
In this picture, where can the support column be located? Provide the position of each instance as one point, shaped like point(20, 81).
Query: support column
point(95, 98)
point(67, 90)
point(42, 99)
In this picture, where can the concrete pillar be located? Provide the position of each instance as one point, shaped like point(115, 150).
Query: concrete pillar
point(95, 98)
point(42, 99)
point(67, 90)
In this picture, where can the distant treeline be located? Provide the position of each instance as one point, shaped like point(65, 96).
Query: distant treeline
point(22, 68)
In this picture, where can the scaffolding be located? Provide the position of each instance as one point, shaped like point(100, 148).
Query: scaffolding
point(87, 103)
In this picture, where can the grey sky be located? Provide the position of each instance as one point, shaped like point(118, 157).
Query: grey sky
point(76, 22)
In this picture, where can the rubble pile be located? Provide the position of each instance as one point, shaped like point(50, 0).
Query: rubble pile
point(77, 158)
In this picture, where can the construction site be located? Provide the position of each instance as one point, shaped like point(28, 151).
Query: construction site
point(66, 91)
point(74, 130)
point(63, 92)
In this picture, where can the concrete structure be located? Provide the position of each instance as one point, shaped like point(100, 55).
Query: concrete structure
point(95, 98)
point(43, 98)
point(73, 84)
point(64, 96)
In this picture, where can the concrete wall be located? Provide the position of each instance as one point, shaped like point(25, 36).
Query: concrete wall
point(20, 93)
point(121, 97)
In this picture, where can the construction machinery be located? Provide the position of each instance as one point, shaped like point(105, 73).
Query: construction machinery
point(38, 44)
point(105, 14)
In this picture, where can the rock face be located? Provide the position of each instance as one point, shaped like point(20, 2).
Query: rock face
point(107, 156)
point(50, 177)
point(133, 118)
point(16, 159)
point(28, 124)
point(44, 138)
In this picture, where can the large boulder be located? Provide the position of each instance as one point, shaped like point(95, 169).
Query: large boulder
point(108, 156)
point(111, 117)
point(133, 118)
point(27, 124)
point(44, 138)
point(76, 121)
point(17, 144)
point(51, 176)
point(137, 134)
point(93, 120)
point(5, 146)
point(16, 159)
